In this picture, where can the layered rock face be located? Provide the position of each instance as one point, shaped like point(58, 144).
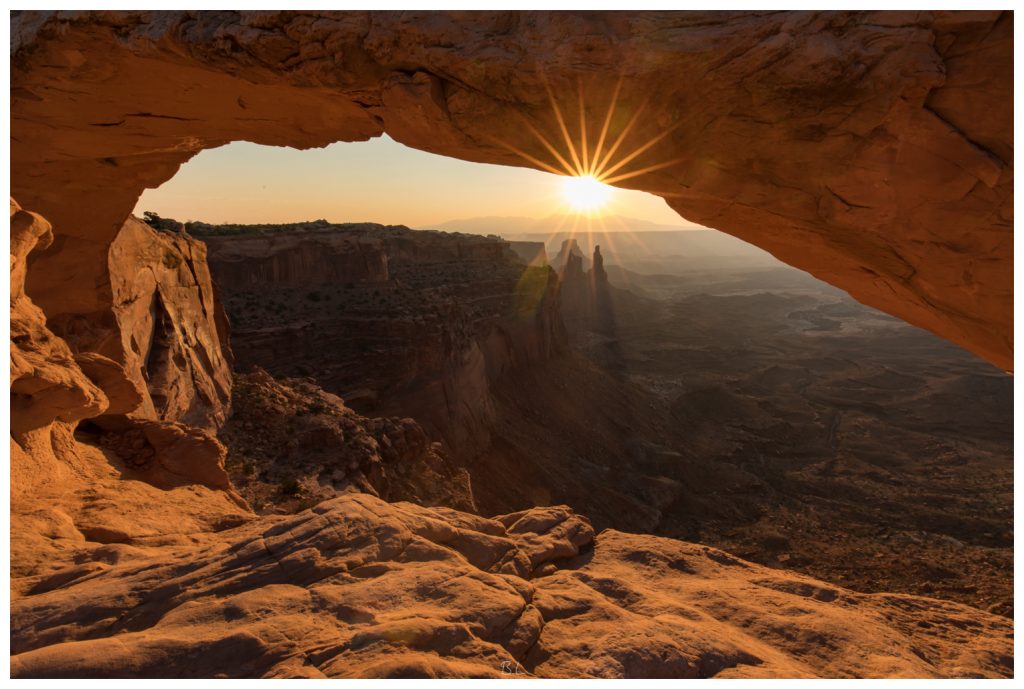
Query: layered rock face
point(393, 320)
point(300, 259)
point(162, 352)
point(152, 379)
point(153, 482)
point(47, 384)
point(873, 150)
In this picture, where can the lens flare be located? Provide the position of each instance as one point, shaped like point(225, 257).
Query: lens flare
point(585, 194)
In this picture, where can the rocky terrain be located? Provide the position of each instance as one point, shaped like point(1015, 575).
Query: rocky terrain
point(357, 587)
point(133, 565)
point(874, 149)
point(419, 324)
point(667, 419)
point(292, 445)
point(811, 432)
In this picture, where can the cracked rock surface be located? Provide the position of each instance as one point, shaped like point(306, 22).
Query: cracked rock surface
point(356, 587)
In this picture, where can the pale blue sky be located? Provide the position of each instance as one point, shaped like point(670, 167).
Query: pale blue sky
point(373, 181)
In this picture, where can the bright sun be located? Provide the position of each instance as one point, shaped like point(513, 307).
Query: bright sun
point(585, 194)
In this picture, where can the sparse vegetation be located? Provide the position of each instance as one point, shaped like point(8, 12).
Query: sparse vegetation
point(204, 229)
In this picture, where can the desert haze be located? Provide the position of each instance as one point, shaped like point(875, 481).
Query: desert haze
point(562, 433)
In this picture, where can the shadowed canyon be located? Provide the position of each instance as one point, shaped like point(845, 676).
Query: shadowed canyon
point(348, 449)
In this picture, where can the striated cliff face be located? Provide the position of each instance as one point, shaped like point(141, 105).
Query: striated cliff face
point(395, 321)
point(872, 149)
point(297, 260)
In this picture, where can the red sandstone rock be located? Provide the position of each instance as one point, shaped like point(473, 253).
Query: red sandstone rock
point(47, 385)
point(361, 588)
point(873, 150)
point(71, 491)
point(169, 338)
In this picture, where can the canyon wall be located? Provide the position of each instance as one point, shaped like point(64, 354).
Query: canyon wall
point(872, 149)
point(173, 331)
point(395, 321)
point(304, 260)
point(138, 474)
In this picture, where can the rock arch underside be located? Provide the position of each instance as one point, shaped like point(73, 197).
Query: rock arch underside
point(871, 149)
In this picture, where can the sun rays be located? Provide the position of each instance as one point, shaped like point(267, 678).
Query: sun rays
point(571, 152)
point(593, 152)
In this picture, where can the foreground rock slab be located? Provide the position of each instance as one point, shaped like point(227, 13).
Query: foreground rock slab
point(357, 587)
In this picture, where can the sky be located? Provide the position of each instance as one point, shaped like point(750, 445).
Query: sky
point(378, 181)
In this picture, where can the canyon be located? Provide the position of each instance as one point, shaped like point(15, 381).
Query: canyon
point(361, 450)
point(298, 458)
point(388, 318)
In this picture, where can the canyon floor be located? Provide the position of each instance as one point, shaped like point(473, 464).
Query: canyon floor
point(848, 445)
point(722, 398)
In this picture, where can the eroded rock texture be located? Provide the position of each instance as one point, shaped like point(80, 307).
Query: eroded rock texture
point(291, 445)
point(68, 496)
point(357, 587)
point(395, 321)
point(872, 149)
point(173, 331)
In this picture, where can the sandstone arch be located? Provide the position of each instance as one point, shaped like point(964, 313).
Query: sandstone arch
point(872, 149)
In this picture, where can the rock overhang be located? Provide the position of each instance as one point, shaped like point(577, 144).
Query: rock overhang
point(873, 150)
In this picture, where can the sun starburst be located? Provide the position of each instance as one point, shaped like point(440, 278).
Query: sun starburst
point(578, 159)
point(591, 164)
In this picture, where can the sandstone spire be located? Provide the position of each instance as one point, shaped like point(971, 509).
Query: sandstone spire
point(597, 273)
